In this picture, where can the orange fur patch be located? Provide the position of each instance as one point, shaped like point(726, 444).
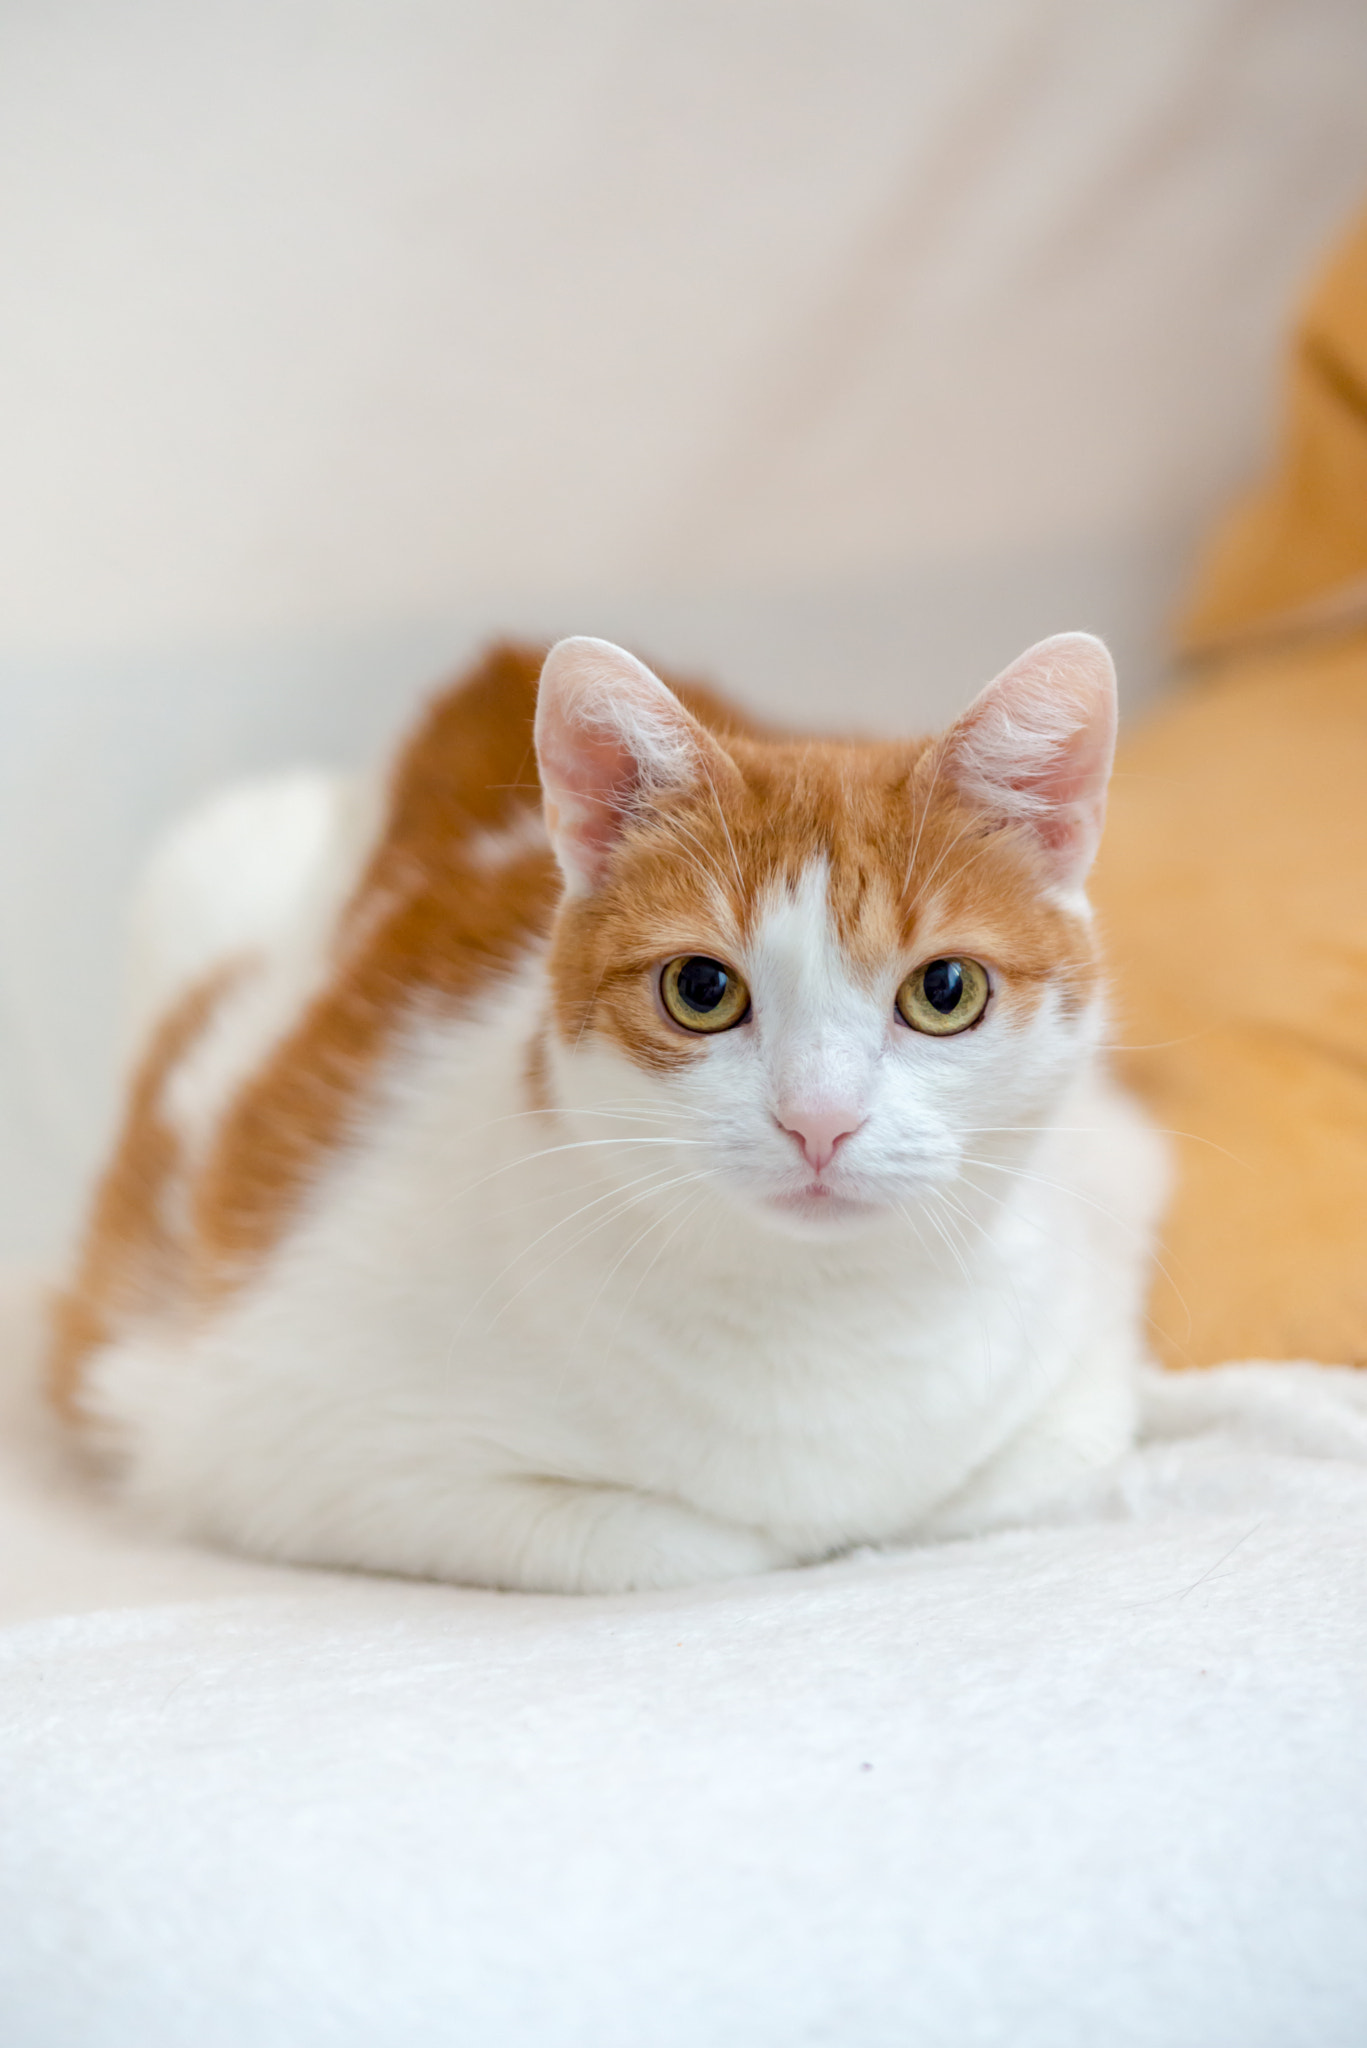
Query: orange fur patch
point(132, 1259)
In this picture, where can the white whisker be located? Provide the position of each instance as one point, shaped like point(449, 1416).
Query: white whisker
point(1137, 1236)
point(925, 813)
point(614, 1215)
point(551, 1151)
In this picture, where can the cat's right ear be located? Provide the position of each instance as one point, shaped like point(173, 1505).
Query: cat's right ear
point(609, 736)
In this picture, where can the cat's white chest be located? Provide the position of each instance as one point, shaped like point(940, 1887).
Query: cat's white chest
point(550, 1315)
point(832, 1411)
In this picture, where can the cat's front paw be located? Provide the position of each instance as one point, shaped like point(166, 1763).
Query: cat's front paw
point(693, 1555)
point(594, 1539)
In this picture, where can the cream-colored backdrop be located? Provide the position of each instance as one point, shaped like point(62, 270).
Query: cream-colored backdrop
point(837, 345)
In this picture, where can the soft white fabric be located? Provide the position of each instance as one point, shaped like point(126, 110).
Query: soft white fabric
point(842, 347)
point(1102, 1783)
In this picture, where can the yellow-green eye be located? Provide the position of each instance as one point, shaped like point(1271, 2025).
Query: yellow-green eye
point(944, 996)
point(702, 994)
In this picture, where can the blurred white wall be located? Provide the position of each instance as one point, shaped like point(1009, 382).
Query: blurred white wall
point(837, 345)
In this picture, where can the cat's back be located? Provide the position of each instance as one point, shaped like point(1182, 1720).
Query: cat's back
point(280, 932)
point(270, 898)
point(284, 935)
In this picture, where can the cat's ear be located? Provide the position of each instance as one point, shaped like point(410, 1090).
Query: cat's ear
point(609, 736)
point(1036, 745)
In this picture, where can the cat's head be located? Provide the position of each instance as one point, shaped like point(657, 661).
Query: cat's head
point(831, 970)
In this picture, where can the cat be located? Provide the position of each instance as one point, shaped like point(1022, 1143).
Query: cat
point(628, 1148)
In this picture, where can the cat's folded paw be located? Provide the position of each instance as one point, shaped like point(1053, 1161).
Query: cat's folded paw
point(594, 1539)
point(711, 1550)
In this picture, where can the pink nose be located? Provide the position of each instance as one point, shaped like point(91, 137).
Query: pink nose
point(818, 1132)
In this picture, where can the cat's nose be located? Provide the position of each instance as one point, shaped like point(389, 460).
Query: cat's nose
point(818, 1131)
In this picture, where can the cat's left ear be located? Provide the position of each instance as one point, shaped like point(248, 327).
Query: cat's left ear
point(1036, 746)
point(609, 736)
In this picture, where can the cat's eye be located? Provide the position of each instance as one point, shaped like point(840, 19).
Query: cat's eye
point(944, 996)
point(703, 995)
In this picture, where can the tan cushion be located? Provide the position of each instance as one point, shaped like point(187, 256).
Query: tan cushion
point(1233, 884)
point(1233, 887)
point(1294, 553)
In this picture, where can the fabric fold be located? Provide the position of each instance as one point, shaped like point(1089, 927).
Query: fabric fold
point(1292, 558)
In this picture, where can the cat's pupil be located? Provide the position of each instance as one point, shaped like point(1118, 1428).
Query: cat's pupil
point(702, 983)
point(943, 982)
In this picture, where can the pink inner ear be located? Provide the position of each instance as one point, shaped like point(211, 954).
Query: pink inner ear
point(1071, 790)
point(589, 779)
point(1036, 746)
point(589, 786)
point(606, 729)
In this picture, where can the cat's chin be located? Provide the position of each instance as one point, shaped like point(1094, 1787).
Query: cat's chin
point(818, 1212)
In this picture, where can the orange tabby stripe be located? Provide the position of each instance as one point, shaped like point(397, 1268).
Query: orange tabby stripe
point(132, 1258)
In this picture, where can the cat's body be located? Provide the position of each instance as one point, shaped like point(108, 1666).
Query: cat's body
point(436, 1243)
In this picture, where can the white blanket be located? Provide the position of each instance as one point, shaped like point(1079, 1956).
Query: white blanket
point(1089, 1786)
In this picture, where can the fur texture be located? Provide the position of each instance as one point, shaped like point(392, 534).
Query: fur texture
point(436, 1243)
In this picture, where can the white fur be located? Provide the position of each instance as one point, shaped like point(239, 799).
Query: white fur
point(260, 868)
point(615, 1345)
point(252, 883)
point(495, 850)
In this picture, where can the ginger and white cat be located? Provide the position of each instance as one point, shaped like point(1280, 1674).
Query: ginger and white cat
point(701, 1163)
